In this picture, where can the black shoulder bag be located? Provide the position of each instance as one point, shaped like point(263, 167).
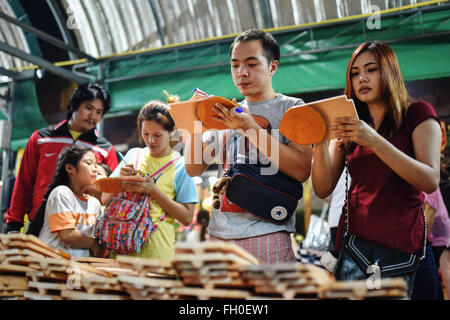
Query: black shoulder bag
point(272, 198)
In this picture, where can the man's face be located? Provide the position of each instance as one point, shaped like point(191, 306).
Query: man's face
point(252, 74)
point(87, 116)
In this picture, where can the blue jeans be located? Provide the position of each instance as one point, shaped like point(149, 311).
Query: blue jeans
point(426, 284)
point(347, 269)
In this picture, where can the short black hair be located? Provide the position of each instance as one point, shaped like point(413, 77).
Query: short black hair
point(85, 92)
point(270, 45)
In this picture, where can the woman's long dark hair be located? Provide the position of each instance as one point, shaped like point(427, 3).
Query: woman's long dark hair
point(394, 90)
point(70, 155)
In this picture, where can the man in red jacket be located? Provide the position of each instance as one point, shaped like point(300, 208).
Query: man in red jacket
point(86, 107)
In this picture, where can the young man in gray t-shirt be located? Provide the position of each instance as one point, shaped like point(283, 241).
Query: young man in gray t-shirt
point(255, 58)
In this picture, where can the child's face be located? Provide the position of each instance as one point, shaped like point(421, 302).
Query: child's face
point(86, 172)
point(156, 138)
point(101, 173)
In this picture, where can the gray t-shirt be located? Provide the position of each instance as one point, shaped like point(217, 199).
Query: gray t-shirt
point(227, 224)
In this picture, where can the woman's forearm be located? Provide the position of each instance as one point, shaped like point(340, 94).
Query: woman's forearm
point(326, 168)
point(174, 209)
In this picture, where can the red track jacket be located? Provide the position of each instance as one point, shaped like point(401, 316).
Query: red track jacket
point(39, 164)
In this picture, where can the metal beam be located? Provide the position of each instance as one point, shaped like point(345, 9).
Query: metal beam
point(355, 45)
point(50, 67)
point(398, 23)
point(6, 153)
point(61, 20)
point(46, 37)
point(298, 36)
point(153, 74)
point(18, 76)
point(8, 73)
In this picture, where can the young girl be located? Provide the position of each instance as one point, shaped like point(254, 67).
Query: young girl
point(172, 191)
point(103, 171)
point(393, 156)
point(68, 213)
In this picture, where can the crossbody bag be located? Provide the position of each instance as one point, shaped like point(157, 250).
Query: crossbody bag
point(272, 198)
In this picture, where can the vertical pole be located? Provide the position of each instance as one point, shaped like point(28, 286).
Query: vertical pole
point(6, 153)
point(101, 81)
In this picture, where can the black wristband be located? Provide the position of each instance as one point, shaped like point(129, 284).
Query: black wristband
point(14, 226)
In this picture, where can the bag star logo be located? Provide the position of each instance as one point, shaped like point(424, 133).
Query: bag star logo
point(279, 213)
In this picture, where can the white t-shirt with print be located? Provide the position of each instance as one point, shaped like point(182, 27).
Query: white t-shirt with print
point(65, 210)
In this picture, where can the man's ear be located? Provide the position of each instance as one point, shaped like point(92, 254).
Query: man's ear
point(274, 66)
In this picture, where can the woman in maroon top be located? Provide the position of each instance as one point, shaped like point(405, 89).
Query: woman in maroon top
point(394, 155)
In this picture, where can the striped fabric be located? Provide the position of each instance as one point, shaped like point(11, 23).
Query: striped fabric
point(269, 248)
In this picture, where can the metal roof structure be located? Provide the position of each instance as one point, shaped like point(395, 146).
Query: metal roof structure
point(100, 28)
point(12, 35)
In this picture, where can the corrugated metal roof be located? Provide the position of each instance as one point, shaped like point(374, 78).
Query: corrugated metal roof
point(13, 36)
point(107, 27)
